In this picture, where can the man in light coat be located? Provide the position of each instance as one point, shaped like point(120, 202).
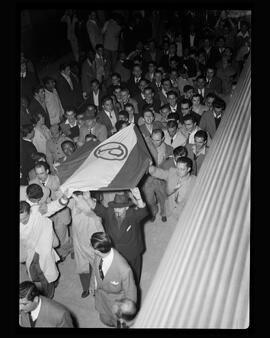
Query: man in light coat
point(113, 278)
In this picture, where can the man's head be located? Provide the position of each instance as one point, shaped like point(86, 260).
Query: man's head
point(107, 104)
point(158, 76)
point(184, 166)
point(196, 99)
point(209, 99)
point(70, 116)
point(41, 171)
point(173, 63)
point(24, 212)
point(148, 116)
point(172, 98)
point(99, 49)
point(166, 85)
point(180, 151)
point(185, 106)
point(125, 95)
point(151, 67)
point(129, 108)
point(117, 93)
point(219, 106)
point(34, 192)
point(137, 71)
point(28, 131)
point(65, 68)
point(173, 74)
point(49, 83)
point(95, 85)
point(210, 72)
point(24, 102)
point(120, 204)
point(143, 83)
point(29, 296)
point(200, 139)
point(116, 79)
point(68, 147)
point(220, 42)
point(149, 94)
point(121, 124)
point(200, 81)
point(39, 92)
point(157, 137)
point(123, 115)
point(188, 92)
point(165, 110)
point(101, 243)
point(183, 73)
point(189, 123)
point(89, 116)
point(172, 127)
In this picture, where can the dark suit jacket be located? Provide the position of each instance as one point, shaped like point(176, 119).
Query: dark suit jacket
point(196, 163)
point(27, 85)
point(51, 314)
point(186, 40)
point(35, 107)
point(133, 87)
point(87, 75)
point(104, 119)
point(127, 240)
point(26, 162)
point(208, 123)
point(145, 132)
point(69, 98)
point(215, 86)
point(90, 99)
point(118, 283)
point(191, 66)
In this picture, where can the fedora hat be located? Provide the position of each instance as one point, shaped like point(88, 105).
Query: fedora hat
point(120, 201)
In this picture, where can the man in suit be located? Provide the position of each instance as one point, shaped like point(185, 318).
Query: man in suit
point(133, 82)
point(198, 150)
point(70, 126)
point(156, 82)
point(122, 222)
point(88, 73)
point(213, 83)
point(27, 148)
point(173, 136)
point(95, 96)
point(175, 104)
point(39, 311)
point(155, 189)
point(68, 88)
point(113, 278)
point(51, 184)
point(108, 115)
point(210, 120)
point(28, 79)
point(165, 88)
point(91, 127)
point(147, 124)
point(37, 105)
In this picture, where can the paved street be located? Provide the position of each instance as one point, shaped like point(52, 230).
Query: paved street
point(69, 290)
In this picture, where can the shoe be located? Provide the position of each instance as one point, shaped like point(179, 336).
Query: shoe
point(164, 219)
point(153, 219)
point(85, 294)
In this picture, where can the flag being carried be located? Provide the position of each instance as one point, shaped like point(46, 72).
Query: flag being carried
point(117, 163)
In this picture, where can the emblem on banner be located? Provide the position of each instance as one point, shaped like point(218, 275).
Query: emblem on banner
point(112, 151)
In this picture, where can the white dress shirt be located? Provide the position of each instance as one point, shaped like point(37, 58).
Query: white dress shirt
point(35, 313)
point(95, 96)
point(111, 116)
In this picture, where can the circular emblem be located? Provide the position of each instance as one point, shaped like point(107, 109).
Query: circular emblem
point(112, 151)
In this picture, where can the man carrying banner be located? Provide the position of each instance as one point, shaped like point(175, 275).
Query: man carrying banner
point(122, 222)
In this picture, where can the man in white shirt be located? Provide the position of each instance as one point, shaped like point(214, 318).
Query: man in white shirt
point(52, 101)
point(113, 278)
point(37, 238)
point(39, 311)
point(173, 135)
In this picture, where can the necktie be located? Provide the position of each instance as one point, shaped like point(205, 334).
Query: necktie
point(32, 322)
point(101, 274)
point(43, 183)
point(188, 139)
point(171, 140)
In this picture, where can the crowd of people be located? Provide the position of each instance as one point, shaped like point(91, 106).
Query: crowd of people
point(170, 75)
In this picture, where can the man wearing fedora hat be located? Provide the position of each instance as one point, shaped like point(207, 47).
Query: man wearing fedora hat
point(91, 126)
point(122, 222)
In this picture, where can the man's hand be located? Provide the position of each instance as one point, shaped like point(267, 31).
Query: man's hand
point(136, 193)
point(151, 169)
